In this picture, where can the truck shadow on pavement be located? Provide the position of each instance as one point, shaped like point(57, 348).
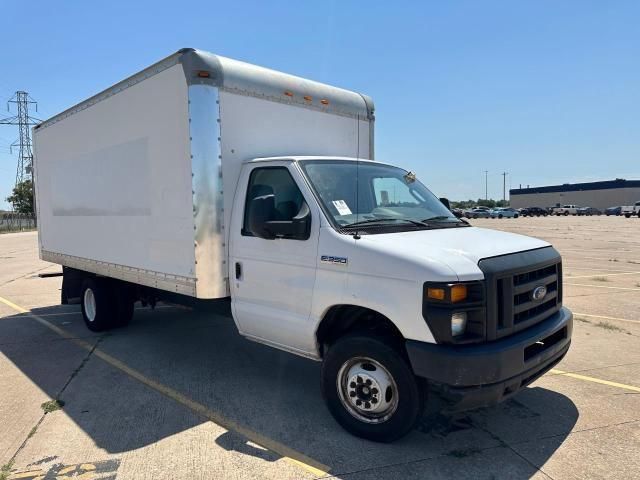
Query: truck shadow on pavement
point(276, 395)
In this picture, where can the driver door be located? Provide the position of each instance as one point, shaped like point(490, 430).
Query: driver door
point(272, 281)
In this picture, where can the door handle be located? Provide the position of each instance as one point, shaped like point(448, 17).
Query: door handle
point(238, 270)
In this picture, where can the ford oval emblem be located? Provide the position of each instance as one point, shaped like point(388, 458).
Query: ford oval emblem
point(539, 293)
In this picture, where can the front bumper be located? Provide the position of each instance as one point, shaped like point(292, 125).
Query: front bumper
point(485, 374)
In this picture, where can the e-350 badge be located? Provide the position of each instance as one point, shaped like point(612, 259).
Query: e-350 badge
point(333, 260)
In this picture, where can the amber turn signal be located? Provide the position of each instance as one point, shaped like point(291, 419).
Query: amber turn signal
point(458, 293)
point(436, 293)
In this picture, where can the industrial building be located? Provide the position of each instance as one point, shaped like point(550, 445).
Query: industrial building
point(600, 195)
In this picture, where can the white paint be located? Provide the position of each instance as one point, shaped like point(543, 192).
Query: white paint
point(114, 180)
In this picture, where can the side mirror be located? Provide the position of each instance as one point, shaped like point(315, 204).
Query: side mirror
point(262, 225)
point(261, 210)
point(445, 202)
point(298, 228)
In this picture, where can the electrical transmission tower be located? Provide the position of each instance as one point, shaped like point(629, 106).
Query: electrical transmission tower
point(23, 120)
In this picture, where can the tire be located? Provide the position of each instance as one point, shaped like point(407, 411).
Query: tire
point(475, 215)
point(500, 216)
point(566, 214)
point(98, 304)
point(516, 215)
point(345, 368)
point(124, 303)
point(627, 215)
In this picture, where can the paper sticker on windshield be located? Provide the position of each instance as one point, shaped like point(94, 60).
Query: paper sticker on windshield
point(342, 207)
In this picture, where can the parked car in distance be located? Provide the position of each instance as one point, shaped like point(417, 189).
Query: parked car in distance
point(504, 212)
point(613, 211)
point(588, 211)
point(477, 212)
point(629, 210)
point(566, 210)
point(458, 212)
point(533, 212)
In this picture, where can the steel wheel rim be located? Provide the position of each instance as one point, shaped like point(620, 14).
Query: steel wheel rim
point(89, 304)
point(367, 390)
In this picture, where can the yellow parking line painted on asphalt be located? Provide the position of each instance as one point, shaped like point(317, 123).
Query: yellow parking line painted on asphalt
point(29, 474)
point(13, 305)
point(287, 453)
point(602, 286)
point(605, 318)
point(595, 380)
point(78, 312)
point(604, 275)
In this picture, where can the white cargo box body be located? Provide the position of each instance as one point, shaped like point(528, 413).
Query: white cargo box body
point(133, 182)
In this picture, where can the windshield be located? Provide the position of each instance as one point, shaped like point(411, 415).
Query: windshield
point(386, 194)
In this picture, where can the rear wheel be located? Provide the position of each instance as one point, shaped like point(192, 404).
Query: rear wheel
point(98, 304)
point(124, 303)
point(370, 389)
point(106, 303)
point(516, 215)
point(566, 214)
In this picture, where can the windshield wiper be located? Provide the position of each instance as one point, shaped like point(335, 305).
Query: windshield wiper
point(459, 222)
point(371, 221)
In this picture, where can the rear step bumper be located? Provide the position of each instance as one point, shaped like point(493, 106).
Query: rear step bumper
point(480, 375)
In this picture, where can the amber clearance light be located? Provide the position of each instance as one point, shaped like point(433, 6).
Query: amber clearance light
point(457, 293)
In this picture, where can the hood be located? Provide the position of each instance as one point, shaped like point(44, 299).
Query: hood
point(460, 249)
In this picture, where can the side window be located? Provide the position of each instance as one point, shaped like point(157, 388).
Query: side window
point(276, 181)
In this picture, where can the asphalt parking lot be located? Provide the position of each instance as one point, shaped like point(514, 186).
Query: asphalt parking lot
point(179, 394)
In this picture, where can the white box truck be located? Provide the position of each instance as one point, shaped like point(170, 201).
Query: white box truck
point(204, 178)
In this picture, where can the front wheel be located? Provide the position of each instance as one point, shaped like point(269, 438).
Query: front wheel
point(370, 389)
point(516, 216)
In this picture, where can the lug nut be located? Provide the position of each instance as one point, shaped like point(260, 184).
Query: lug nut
point(367, 405)
point(368, 382)
point(352, 384)
point(359, 379)
point(352, 394)
point(374, 391)
point(358, 402)
point(374, 400)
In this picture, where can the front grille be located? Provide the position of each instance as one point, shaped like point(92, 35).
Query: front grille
point(511, 280)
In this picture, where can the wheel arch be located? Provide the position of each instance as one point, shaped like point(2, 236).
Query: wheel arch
point(343, 319)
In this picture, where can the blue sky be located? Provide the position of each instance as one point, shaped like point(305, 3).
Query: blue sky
point(546, 90)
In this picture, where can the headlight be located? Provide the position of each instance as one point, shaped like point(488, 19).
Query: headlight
point(458, 323)
point(455, 312)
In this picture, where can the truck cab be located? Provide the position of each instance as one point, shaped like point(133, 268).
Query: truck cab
point(356, 263)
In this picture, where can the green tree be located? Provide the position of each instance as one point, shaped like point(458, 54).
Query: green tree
point(22, 197)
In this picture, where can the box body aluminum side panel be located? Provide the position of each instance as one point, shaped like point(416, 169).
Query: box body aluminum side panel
point(114, 182)
point(255, 127)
